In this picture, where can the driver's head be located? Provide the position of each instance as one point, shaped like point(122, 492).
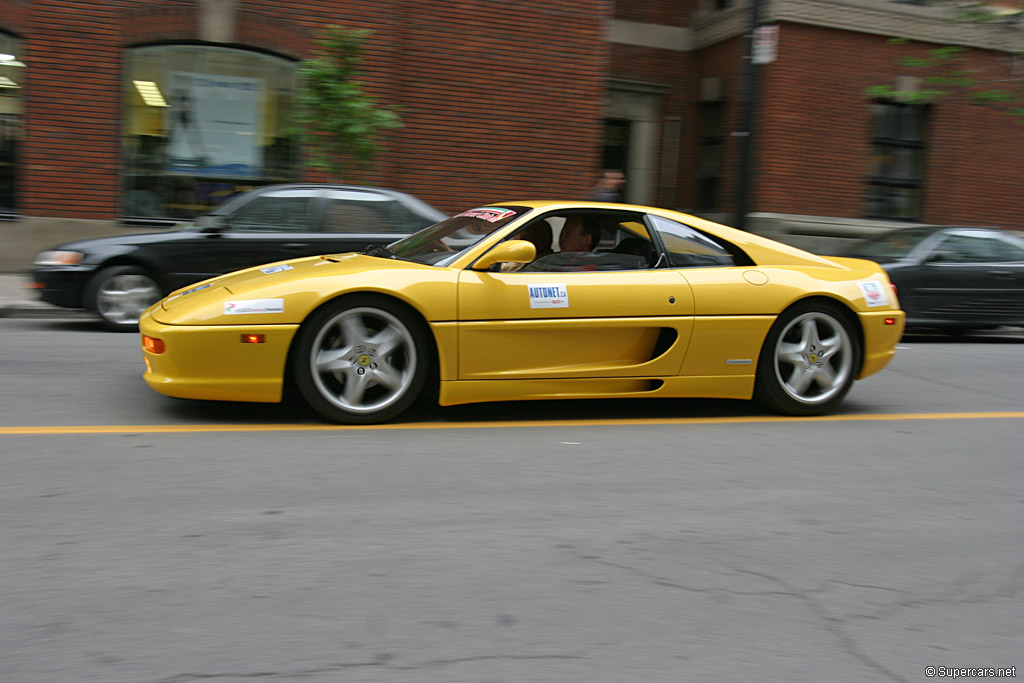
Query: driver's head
point(579, 235)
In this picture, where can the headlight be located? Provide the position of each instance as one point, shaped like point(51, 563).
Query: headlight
point(57, 258)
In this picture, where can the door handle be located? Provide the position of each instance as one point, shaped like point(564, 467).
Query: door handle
point(294, 246)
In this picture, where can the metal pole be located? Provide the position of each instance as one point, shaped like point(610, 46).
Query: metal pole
point(748, 101)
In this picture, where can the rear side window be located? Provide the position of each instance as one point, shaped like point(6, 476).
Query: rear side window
point(979, 247)
point(273, 213)
point(366, 212)
point(689, 248)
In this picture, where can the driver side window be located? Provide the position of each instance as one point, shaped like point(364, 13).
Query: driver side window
point(597, 241)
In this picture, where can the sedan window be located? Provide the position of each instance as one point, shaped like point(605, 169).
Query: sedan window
point(352, 211)
point(896, 244)
point(273, 214)
point(979, 247)
point(1010, 248)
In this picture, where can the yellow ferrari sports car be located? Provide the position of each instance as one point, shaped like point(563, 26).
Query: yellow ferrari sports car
point(532, 300)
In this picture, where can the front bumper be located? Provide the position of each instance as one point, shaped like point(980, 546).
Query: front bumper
point(62, 286)
point(212, 362)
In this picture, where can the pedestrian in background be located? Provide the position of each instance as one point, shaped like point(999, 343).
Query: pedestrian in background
point(609, 187)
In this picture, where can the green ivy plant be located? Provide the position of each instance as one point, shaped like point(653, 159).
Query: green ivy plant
point(944, 74)
point(338, 123)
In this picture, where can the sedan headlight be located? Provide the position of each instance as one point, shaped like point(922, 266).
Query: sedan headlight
point(57, 258)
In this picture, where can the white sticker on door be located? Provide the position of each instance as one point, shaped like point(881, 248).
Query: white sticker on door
point(549, 296)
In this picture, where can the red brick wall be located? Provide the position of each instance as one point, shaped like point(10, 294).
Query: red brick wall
point(499, 99)
point(506, 99)
point(814, 141)
point(667, 12)
point(68, 157)
point(15, 16)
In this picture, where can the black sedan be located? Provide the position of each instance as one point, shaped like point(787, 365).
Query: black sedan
point(118, 277)
point(953, 278)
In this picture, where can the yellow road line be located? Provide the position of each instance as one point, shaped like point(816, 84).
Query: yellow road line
point(505, 424)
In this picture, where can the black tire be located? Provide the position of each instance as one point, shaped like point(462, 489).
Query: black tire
point(809, 359)
point(362, 360)
point(119, 295)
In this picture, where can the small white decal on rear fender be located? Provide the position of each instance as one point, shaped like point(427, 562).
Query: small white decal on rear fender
point(874, 293)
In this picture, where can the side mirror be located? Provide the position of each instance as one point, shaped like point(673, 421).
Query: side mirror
point(212, 224)
point(512, 251)
point(937, 257)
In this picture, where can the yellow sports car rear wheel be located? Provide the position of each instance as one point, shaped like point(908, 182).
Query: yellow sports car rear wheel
point(809, 359)
point(361, 360)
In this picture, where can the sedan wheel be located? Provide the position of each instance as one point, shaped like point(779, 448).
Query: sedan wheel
point(361, 361)
point(809, 361)
point(120, 295)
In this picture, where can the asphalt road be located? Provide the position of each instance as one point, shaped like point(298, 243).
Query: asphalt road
point(149, 540)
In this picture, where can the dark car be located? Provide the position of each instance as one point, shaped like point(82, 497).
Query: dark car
point(953, 278)
point(119, 277)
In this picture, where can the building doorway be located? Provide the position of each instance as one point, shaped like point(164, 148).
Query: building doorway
point(631, 134)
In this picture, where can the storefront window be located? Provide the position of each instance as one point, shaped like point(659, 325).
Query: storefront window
point(12, 79)
point(202, 124)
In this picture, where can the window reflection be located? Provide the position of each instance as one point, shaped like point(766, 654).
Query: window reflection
point(201, 125)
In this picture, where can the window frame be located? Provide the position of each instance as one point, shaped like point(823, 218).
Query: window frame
point(889, 140)
point(712, 124)
point(12, 124)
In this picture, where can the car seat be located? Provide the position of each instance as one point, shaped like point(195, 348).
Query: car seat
point(636, 246)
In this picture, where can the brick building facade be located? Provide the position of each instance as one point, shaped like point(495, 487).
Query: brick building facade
point(530, 98)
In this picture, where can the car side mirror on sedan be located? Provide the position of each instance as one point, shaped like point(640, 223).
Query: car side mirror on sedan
point(212, 224)
point(512, 251)
point(938, 257)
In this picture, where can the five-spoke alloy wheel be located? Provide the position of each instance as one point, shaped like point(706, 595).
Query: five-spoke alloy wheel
point(809, 360)
point(361, 360)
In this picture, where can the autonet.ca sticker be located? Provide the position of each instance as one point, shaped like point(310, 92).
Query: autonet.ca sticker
point(553, 295)
point(254, 306)
point(874, 293)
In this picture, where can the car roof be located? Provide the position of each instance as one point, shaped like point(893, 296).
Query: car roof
point(319, 186)
point(942, 228)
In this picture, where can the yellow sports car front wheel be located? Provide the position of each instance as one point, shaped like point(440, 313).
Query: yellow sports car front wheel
point(362, 359)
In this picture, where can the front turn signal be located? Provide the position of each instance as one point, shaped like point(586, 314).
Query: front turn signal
point(152, 344)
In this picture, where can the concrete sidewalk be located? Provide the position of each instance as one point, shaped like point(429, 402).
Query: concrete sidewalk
point(18, 301)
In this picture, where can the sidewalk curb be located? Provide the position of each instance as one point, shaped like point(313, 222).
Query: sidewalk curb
point(42, 311)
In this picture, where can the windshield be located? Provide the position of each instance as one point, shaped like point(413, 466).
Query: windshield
point(892, 245)
point(442, 242)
